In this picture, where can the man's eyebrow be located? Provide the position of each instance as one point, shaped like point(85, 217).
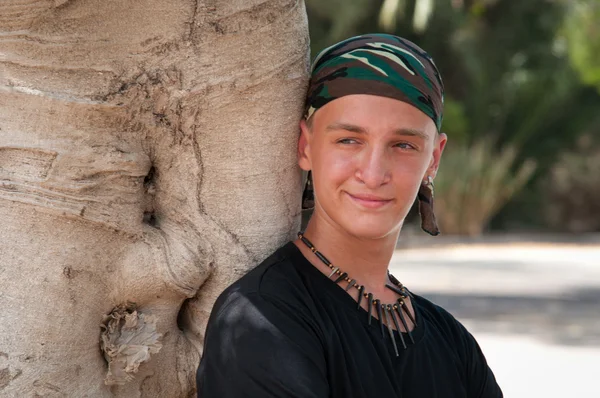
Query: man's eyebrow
point(361, 130)
point(346, 126)
point(412, 133)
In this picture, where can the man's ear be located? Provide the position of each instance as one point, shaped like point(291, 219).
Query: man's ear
point(304, 146)
point(438, 149)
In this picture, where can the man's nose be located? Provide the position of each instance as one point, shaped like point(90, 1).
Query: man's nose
point(374, 168)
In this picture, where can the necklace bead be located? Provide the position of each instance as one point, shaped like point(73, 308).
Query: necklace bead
point(382, 309)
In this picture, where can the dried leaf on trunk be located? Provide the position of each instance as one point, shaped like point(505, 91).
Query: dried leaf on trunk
point(128, 338)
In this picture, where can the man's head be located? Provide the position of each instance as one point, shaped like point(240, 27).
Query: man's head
point(371, 133)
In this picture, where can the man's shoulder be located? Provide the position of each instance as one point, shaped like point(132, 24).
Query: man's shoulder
point(445, 329)
point(448, 333)
point(430, 307)
point(274, 279)
point(440, 318)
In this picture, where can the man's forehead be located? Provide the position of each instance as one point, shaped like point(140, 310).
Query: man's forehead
point(362, 113)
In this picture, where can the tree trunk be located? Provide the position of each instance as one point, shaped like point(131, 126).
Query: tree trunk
point(147, 160)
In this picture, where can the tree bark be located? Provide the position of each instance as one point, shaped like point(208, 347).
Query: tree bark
point(147, 160)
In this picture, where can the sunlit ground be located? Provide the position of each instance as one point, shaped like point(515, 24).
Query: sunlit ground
point(534, 308)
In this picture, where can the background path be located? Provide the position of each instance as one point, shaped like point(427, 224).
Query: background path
point(533, 307)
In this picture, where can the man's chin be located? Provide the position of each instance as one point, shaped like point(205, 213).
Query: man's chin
point(367, 225)
point(368, 231)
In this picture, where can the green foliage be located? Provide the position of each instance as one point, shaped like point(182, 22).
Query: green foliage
point(456, 123)
point(335, 20)
point(582, 34)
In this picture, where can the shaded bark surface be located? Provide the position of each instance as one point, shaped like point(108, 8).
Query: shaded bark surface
point(147, 158)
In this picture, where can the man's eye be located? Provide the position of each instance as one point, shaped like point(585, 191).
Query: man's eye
point(404, 145)
point(347, 141)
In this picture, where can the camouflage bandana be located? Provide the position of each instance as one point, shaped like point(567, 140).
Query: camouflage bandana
point(377, 64)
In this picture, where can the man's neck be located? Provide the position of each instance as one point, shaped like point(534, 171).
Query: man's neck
point(365, 260)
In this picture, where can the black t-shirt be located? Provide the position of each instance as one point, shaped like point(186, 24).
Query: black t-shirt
point(286, 330)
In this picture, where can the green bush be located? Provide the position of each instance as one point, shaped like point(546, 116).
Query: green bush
point(572, 190)
point(474, 182)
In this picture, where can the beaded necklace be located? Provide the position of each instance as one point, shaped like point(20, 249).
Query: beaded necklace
point(385, 312)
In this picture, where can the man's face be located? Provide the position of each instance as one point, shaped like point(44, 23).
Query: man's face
point(368, 155)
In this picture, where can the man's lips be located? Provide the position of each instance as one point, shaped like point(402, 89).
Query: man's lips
point(370, 201)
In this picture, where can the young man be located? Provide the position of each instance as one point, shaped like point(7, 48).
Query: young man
point(322, 317)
